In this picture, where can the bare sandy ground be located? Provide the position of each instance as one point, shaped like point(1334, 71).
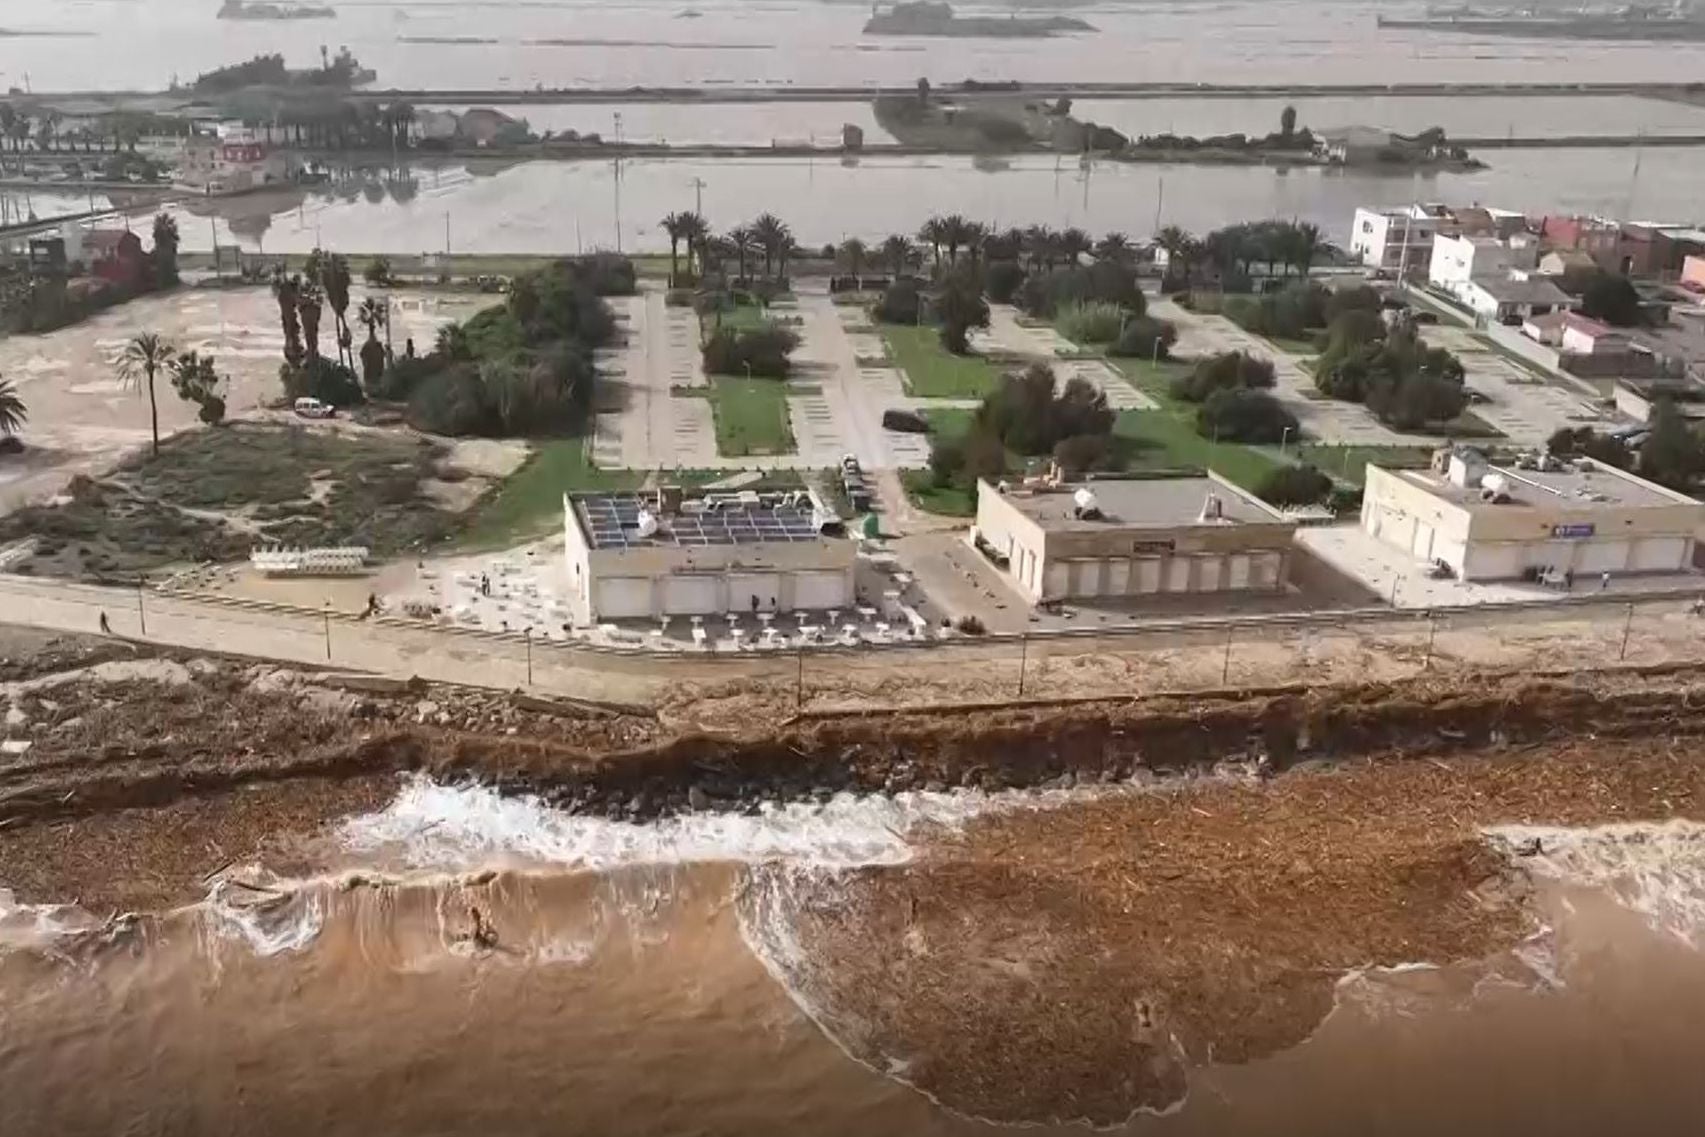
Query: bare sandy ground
point(82, 418)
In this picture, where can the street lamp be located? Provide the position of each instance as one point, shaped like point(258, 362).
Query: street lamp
point(1284, 438)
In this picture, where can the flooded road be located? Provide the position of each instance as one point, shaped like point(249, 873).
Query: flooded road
point(652, 981)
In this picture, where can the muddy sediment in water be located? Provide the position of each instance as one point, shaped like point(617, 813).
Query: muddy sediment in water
point(1073, 964)
point(125, 751)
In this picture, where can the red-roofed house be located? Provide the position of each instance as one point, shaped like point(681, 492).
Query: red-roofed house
point(1583, 335)
point(116, 256)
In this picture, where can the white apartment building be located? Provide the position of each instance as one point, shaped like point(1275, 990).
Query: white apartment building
point(1395, 240)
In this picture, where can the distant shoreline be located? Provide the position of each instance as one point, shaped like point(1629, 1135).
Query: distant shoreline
point(1681, 92)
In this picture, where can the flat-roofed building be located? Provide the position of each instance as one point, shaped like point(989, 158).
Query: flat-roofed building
point(666, 553)
point(1509, 522)
point(1126, 538)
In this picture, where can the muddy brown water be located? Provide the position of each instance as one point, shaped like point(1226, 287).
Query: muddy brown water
point(648, 1000)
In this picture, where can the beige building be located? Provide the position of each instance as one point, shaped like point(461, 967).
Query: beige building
point(1505, 523)
point(663, 553)
point(1108, 539)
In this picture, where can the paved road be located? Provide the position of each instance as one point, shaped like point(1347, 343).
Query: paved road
point(1325, 420)
point(1526, 408)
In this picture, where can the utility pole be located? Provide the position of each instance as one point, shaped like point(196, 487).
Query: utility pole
point(327, 616)
point(799, 679)
point(1627, 627)
point(141, 616)
point(529, 636)
point(698, 185)
point(446, 232)
point(1023, 659)
point(1225, 666)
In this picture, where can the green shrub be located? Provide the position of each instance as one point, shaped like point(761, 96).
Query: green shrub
point(1003, 280)
point(1092, 321)
point(1146, 337)
point(1228, 371)
point(901, 303)
point(1043, 296)
point(1244, 415)
point(1294, 485)
point(1029, 415)
point(760, 352)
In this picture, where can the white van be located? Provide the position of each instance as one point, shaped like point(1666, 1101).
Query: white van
point(312, 408)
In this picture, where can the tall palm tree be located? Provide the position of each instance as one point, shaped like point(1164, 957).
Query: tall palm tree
point(286, 289)
point(853, 252)
point(335, 279)
point(310, 303)
point(771, 234)
point(12, 412)
point(144, 357)
point(741, 240)
point(955, 234)
point(1114, 247)
point(1007, 245)
point(934, 234)
point(1179, 245)
point(671, 225)
point(977, 237)
point(694, 231)
point(897, 252)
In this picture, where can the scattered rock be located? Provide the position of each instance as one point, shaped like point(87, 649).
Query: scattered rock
point(15, 747)
point(15, 716)
point(697, 799)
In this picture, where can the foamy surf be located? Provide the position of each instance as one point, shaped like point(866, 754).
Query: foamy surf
point(1654, 868)
point(430, 826)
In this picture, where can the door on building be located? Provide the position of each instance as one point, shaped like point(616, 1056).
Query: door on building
point(762, 587)
point(1598, 557)
point(1660, 554)
point(1421, 546)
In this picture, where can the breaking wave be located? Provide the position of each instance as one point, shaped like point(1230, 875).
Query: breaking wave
point(1656, 869)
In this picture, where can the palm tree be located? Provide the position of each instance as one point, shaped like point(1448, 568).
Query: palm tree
point(897, 251)
point(694, 231)
point(671, 225)
point(1007, 245)
point(741, 240)
point(853, 252)
point(310, 304)
point(1179, 246)
point(771, 234)
point(12, 412)
point(286, 290)
point(144, 357)
point(1073, 244)
point(1042, 245)
point(335, 279)
point(1305, 244)
point(934, 234)
point(1115, 247)
point(976, 239)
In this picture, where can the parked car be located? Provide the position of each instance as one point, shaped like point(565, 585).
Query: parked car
point(1425, 317)
point(307, 407)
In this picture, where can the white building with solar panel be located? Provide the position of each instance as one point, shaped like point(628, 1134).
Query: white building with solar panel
point(659, 553)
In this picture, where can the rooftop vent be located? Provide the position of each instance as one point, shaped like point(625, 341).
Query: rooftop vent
point(1084, 505)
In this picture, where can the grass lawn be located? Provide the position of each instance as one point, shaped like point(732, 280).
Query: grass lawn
point(751, 415)
point(1166, 438)
point(1349, 463)
point(931, 371)
point(947, 422)
point(947, 501)
point(529, 502)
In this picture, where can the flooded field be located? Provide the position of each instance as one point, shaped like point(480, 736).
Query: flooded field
point(571, 206)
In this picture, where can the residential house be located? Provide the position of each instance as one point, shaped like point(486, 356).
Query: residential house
point(1596, 238)
point(1396, 241)
point(1513, 299)
point(1583, 335)
point(1567, 264)
point(1458, 260)
point(116, 256)
point(232, 159)
point(482, 125)
point(1546, 329)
